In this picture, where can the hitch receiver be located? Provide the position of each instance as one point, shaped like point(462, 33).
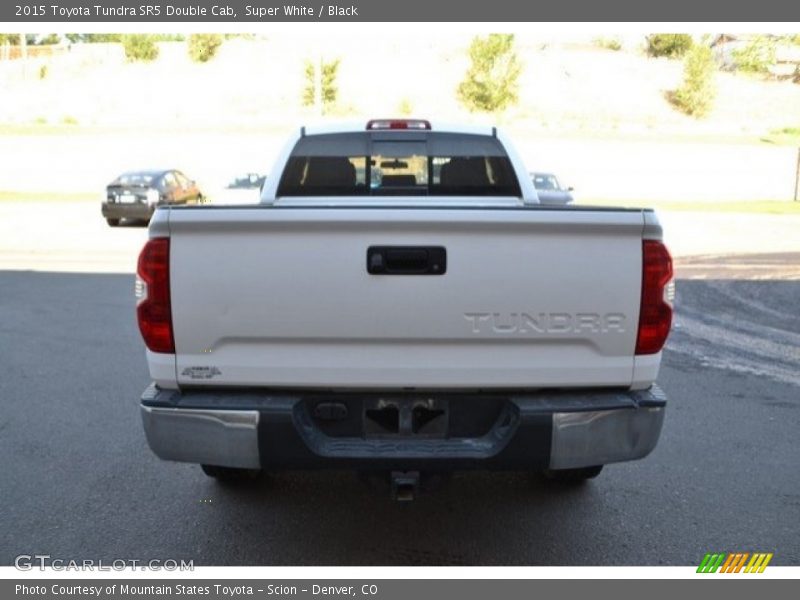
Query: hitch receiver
point(405, 485)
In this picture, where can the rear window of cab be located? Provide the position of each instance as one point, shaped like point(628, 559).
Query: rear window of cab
point(398, 163)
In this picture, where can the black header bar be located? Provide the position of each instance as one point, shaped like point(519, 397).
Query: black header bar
point(496, 11)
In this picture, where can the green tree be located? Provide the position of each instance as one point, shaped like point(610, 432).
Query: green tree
point(491, 83)
point(203, 46)
point(49, 39)
point(140, 46)
point(695, 96)
point(330, 89)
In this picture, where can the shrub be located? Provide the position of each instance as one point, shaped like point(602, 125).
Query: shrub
point(169, 37)
point(203, 46)
point(671, 45)
point(140, 46)
point(405, 108)
point(695, 96)
point(757, 56)
point(786, 131)
point(93, 38)
point(609, 43)
point(330, 90)
point(491, 83)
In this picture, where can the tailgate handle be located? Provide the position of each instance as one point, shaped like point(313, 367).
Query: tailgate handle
point(406, 260)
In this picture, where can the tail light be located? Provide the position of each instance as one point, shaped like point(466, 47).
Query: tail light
point(398, 124)
point(655, 314)
point(153, 309)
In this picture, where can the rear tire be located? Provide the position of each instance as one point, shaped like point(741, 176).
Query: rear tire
point(572, 476)
point(112, 222)
point(230, 474)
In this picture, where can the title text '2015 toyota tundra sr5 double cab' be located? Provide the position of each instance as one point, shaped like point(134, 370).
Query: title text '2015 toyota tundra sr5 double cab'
point(400, 302)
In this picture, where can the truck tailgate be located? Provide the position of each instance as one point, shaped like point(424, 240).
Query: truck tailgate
point(282, 297)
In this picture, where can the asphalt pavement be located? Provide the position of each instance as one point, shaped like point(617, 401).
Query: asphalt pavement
point(77, 480)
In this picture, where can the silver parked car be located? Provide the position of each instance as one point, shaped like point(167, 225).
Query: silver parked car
point(550, 190)
point(136, 194)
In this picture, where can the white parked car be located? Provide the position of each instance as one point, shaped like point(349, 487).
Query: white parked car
point(244, 188)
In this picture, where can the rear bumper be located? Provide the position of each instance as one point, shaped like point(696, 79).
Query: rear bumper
point(133, 210)
point(556, 430)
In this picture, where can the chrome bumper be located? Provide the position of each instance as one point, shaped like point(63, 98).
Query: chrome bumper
point(586, 439)
point(626, 427)
point(227, 438)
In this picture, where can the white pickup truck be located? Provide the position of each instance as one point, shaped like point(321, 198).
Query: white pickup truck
point(399, 301)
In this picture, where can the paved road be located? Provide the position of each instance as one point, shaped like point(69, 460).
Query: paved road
point(77, 480)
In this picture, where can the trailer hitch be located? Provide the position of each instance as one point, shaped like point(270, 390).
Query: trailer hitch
point(405, 485)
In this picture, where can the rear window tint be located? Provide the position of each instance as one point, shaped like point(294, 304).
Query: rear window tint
point(398, 163)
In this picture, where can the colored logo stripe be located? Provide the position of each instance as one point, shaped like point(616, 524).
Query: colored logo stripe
point(710, 563)
point(733, 562)
point(758, 563)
